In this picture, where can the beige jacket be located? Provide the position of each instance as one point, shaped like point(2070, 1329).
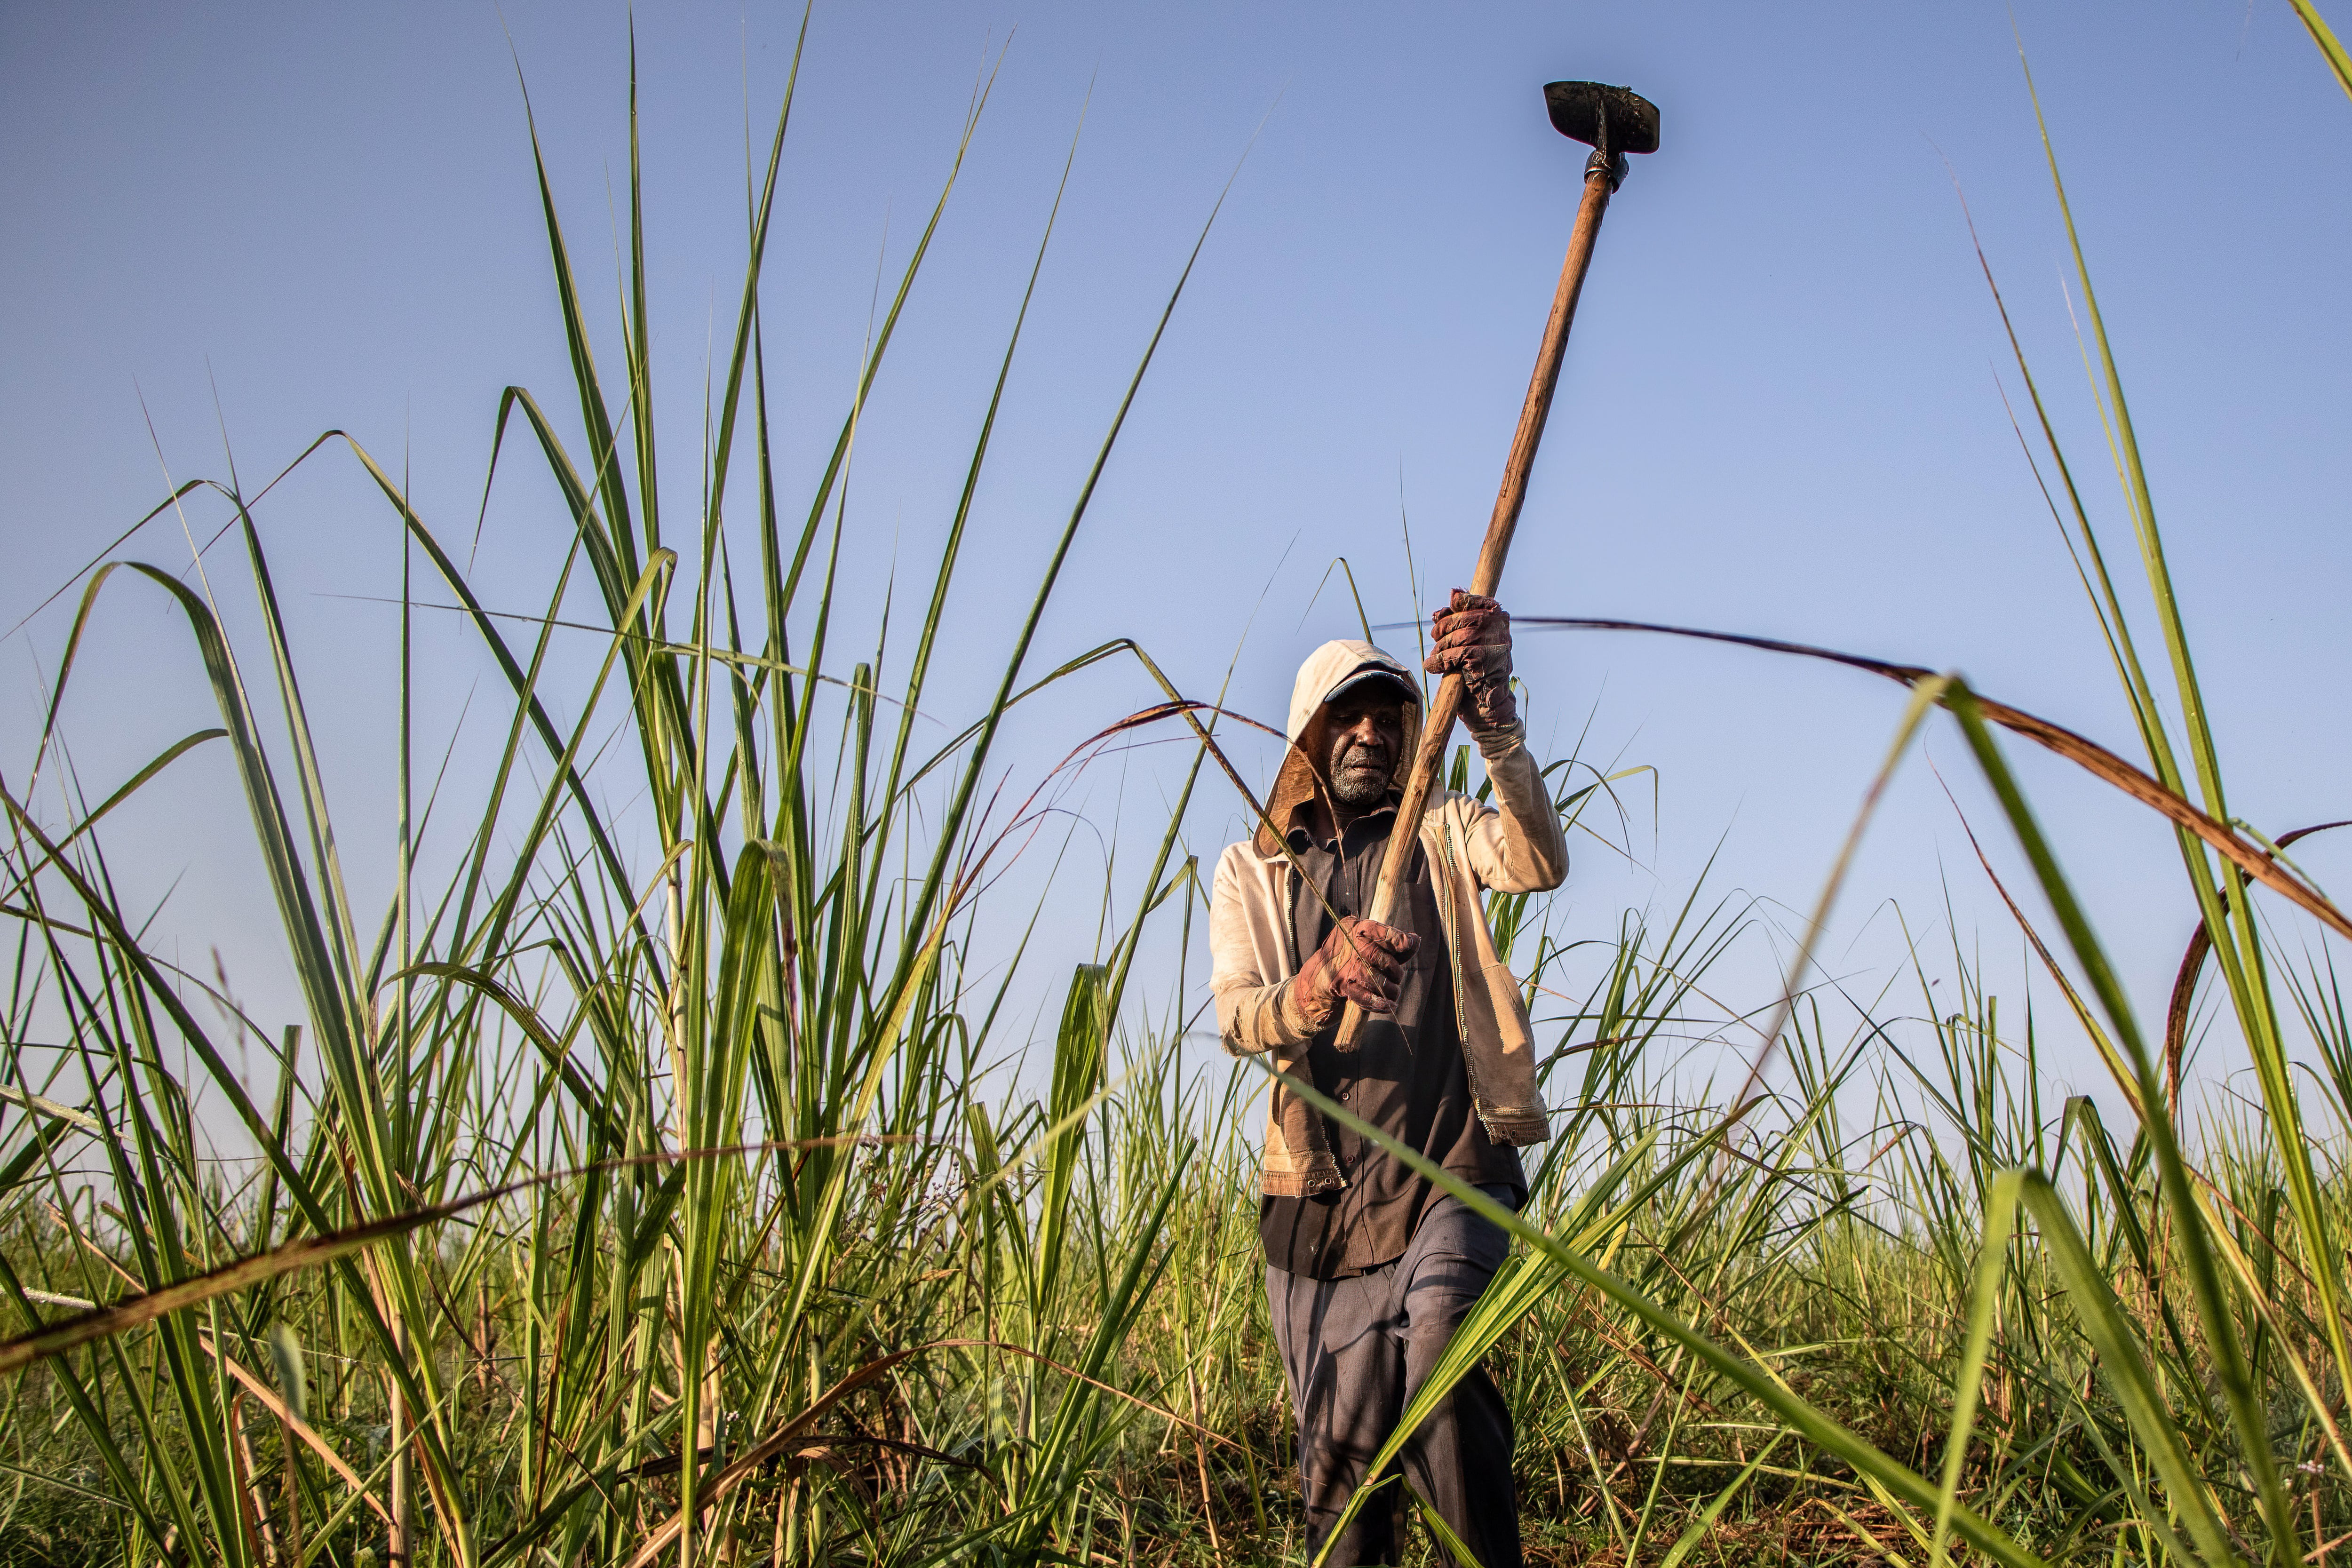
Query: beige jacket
point(1470, 847)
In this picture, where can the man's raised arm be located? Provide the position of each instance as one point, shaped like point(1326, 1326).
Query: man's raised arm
point(1516, 847)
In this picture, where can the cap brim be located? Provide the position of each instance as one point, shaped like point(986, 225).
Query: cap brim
point(1405, 690)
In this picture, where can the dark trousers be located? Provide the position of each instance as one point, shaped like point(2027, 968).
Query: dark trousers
point(1357, 1350)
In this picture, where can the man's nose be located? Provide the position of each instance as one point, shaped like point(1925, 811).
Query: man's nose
point(1365, 731)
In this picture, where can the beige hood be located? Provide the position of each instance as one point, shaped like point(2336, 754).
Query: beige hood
point(1326, 670)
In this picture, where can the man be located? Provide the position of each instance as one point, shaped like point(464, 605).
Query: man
point(1370, 1267)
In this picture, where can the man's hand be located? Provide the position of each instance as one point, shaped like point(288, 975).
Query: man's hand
point(1472, 637)
point(1360, 962)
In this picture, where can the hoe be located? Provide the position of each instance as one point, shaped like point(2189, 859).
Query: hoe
point(1613, 122)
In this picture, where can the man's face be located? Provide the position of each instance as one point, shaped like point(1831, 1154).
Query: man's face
point(1363, 733)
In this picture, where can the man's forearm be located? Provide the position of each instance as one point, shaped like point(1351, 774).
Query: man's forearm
point(1519, 791)
point(1534, 851)
point(1257, 1018)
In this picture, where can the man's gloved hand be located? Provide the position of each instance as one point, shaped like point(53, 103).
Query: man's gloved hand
point(1360, 961)
point(1472, 637)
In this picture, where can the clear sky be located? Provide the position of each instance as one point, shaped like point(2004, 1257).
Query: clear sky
point(1780, 414)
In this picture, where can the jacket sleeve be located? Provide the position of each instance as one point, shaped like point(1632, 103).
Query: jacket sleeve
point(1253, 1011)
point(1518, 849)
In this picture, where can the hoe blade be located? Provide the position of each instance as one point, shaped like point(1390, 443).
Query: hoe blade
point(1613, 118)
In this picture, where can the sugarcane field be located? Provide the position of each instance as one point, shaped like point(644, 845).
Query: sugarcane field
point(709, 712)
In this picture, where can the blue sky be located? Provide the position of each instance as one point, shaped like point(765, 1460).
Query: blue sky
point(1780, 414)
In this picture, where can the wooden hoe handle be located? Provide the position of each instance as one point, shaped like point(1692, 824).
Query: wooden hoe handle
point(1437, 729)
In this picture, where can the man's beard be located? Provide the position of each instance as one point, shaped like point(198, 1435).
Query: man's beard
point(1358, 780)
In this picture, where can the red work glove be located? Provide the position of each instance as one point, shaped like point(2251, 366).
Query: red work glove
point(1360, 962)
point(1472, 637)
